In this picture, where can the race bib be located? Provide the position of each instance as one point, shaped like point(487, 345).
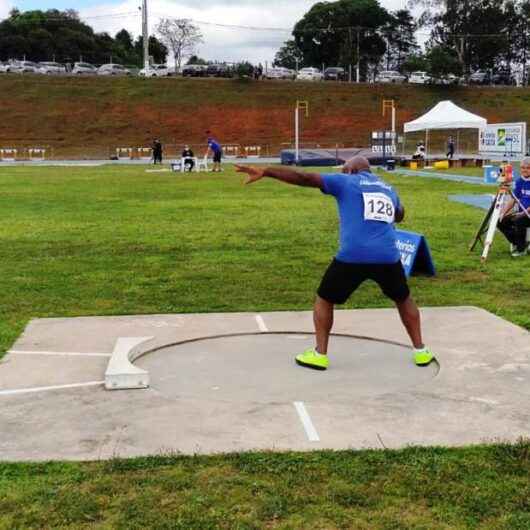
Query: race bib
point(378, 207)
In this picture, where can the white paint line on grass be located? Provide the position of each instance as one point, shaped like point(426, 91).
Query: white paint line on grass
point(48, 388)
point(261, 324)
point(68, 354)
point(310, 430)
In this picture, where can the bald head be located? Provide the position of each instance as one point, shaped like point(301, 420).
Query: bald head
point(356, 164)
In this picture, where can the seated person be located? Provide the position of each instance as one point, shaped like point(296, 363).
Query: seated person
point(420, 152)
point(514, 225)
point(188, 158)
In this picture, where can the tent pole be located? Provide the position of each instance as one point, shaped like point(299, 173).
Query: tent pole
point(426, 145)
point(457, 142)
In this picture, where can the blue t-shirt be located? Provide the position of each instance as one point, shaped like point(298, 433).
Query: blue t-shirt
point(522, 191)
point(214, 146)
point(367, 208)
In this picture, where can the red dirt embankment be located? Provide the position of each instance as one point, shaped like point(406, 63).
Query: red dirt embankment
point(91, 116)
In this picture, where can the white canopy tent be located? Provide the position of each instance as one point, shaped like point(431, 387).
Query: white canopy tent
point(445, 115)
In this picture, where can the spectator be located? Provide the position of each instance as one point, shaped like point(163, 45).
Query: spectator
point(157, 151)
point(450, 148)
point(420, 152)
point(188, 158)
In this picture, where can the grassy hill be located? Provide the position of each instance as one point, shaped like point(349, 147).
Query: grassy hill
point(90, 116)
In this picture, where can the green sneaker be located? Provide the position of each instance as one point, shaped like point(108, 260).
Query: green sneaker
point(423, 358)
point(311, 359)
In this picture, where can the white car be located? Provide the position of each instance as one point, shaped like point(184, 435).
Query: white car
point(22, 67)
point(51, 68)
point(310, 74)
point(419, 78)
point(113, 69)
point(3, 68)
point(279, 72)
point(84, 69)
point(390, 76)
point(155, 70)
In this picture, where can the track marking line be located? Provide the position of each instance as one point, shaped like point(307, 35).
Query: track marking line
point(68, 354)
point(48, 388)
point(310, 430)
point(261, 324)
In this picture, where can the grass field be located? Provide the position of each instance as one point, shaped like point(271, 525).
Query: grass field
point(118, 240)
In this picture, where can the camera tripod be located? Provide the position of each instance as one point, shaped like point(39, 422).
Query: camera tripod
point(490, 222)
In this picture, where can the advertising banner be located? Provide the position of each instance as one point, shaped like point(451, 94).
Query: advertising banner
point(508, 139)
point(415, 253)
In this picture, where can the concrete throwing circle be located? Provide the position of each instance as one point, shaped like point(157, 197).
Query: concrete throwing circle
point(261, 367)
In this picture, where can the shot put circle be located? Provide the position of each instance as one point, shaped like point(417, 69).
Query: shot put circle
point(261, 367)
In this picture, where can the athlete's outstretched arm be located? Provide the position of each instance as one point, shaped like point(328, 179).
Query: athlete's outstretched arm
point(288, 175)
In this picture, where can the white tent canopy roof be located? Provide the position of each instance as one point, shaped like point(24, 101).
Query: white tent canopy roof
point(446, 115)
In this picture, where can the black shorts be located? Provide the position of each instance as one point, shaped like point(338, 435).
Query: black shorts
point(342, 279)
point(217, 157)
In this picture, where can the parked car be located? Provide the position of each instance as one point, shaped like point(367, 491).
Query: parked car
point(3, 67)
point(390, 76)
point(310, 74)
point(113, 69)
point(279, 72)
point(84, 69)
point(195, 70)
point(156, 70)
point(51, 68)
point(218, 70)
point(419, 78)
point(334, 73)
point(480, 77)
point(22, 67)
point(503, 77)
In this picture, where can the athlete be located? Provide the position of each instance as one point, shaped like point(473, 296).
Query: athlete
point(368, 209)
point(215, 148)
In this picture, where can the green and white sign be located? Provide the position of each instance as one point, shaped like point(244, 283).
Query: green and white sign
point(504, 139)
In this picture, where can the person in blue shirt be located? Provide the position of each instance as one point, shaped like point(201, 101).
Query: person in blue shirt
point(514, 225)
point(215, 149)
point(368, 209)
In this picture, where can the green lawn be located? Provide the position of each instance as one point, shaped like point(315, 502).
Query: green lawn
point(118, 240)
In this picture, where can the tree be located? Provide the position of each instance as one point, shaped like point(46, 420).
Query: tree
point(157, 50)
point(181, 36)
point(289, 56)
point(400, 35)
point(194, 59)
point(124, 38)
point(415, 63)
point(477, 31)
point(341, 33)
point(442, 62)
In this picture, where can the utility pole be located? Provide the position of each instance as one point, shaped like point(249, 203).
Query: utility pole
point(145, 34)
point(358, 55)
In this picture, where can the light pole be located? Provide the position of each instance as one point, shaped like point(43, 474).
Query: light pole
point(145, 34)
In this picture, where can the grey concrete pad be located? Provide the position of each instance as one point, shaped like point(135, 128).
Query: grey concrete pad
point(27, 371)
point(239, 393)
point(255, 368)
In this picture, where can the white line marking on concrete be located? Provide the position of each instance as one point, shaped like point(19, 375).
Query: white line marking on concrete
point(484, 400)
point(261, 324)
point(310, 430)
point(68, 354)
point(48, 388)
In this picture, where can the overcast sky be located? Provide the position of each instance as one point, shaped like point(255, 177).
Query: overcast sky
point(219, 43)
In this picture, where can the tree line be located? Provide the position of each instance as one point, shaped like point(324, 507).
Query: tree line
point(63, 37)
point(460, 37)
